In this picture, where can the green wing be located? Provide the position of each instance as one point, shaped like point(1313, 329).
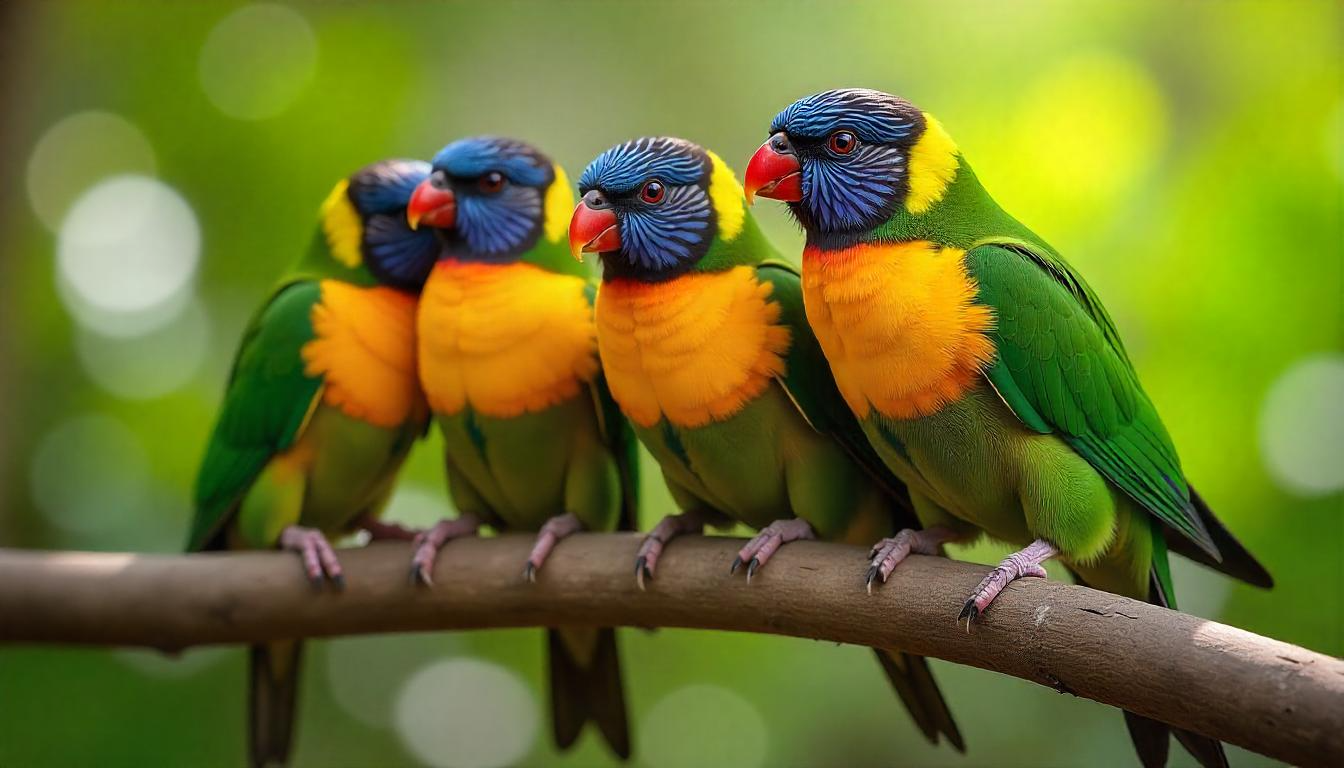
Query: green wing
point(620, 439)
point(1062, 369)
point(811, 385)
point(267, 403)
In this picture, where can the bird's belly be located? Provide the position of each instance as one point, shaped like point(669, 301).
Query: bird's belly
point(352, 467)
point(518, 465)
point(964, 458)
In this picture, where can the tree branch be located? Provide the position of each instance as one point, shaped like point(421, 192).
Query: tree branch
point(1267, 696)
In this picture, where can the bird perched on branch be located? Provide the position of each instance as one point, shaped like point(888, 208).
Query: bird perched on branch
point(707, 350)
point(322, 407)
point(508, 361)
point(983, 368)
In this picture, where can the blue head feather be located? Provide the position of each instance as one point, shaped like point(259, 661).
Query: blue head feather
point(492, 225)
point(396, 254)
point(859, 190)
point(662, 240)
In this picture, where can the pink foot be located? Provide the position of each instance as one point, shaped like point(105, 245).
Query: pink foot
point(889, 553)
point(427, 545)
point(319, 559)
point(551, 533)
point(666, 529)
point(1026, 562)
point(763, 545)
point(380, 531)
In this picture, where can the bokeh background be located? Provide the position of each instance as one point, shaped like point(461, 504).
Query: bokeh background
point(162, 163)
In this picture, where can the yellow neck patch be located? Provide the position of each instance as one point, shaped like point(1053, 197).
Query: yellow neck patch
point(365, 352)
point(558, 206)
point(506, 339)
point(933, 165)
point(898, 324)
point(726, 194)
point(341, 225)
point(694, 349)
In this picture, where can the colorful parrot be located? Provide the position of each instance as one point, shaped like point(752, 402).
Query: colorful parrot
point(508, 361)
point(322, 407)
point(706, 348)
point(983, 368)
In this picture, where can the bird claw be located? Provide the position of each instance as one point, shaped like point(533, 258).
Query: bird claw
point(969, 613)
point(419, 576)
point(752, 568)
point(642, 572)
point(530, 572)
point(338, 581)
point(873, 572)
point(737, 563)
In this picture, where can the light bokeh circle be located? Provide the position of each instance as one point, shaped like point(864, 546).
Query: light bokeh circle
point(1301, 439)
point(701, 725)
point(126, 256)
point(257, 61)
point(77, 151)
point(90, 475)
point(149, 366)
point(365, 673)
point(466, 713)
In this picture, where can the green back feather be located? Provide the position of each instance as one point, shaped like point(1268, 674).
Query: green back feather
point(268, 400)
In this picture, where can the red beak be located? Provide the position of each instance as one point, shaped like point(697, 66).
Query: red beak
point(431, 205)
point(593, 230)
point(774, 172)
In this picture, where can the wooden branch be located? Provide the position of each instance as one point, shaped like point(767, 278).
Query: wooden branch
point(1267, 696)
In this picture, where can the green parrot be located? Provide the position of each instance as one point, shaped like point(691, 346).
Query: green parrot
point(508, 361)
point(322, 407)
point(706, 348)
point(982, 367)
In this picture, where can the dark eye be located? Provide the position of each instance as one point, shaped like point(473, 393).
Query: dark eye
point(652, 192)
point(491, 182)
point(842, 142)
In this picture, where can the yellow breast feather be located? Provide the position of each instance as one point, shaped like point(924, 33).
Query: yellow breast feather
point(365, 352)
point(506, 339)
point(695, 349)
point(899, 325)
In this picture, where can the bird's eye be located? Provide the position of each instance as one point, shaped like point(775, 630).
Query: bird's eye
point(439, 180)
point(652, 192)
point(491, 182)
point(842, 142)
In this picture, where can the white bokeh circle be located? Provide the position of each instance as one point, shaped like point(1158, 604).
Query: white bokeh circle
point(126, 256)
point(365, 673)
point(77, 151)
point(257, 61)
point(149, 366)
point(466, 713)
point(90, 475)
point(1302, 427)
point(702, 725)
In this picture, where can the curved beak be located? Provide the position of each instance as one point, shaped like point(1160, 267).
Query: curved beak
point(774, 172)
point(593, 230)
point(431, 205)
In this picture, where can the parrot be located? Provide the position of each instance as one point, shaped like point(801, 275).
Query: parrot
point(707, 351)
point(983, 368)
point(322, 406)
point(508, 362)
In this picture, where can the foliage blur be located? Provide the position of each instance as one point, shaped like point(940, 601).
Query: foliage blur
point(1185, 156)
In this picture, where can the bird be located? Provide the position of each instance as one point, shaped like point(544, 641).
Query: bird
point(983, 368)
point(322, 407)
point(508, 362)
point(707, 351)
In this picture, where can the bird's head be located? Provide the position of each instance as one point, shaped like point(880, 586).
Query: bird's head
point(364, 224)
point(847, 160)
point(492, 199)
point(656, 208)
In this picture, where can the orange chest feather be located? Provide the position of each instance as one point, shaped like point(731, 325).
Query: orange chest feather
point(899, 325)
point(506, 339)
point(695, 349)
point(364, 351)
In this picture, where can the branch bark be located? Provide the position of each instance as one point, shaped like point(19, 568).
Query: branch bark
point(1262, 694)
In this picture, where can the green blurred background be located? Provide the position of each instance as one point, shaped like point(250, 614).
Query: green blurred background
point(162, 163)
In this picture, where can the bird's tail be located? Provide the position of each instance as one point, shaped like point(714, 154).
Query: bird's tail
point(1237, 561)
point(273, 696)
point(586, 685)
point(1152, 738)
point(913, 680)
